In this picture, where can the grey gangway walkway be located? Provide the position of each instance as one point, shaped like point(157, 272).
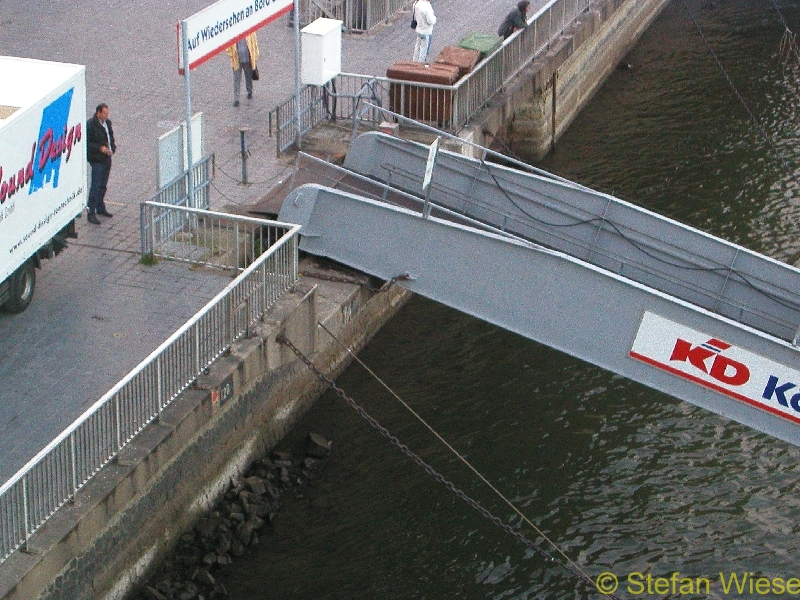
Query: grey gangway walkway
point(616, 285)
point(97, 313)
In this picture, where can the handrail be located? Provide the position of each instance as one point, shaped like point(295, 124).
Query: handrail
point(66, 464)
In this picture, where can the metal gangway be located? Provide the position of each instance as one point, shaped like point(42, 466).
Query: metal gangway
point(616, 285)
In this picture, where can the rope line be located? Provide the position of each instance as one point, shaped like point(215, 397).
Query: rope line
point(739, 96)
point(788, 46)
point(455, 452)
point(570, 566)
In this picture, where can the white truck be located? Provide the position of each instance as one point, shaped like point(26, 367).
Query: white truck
point(42, 168)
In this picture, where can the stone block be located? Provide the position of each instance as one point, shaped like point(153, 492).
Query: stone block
point(560, 51)
point(249, 352)
point(297, 320)
point(541, 73)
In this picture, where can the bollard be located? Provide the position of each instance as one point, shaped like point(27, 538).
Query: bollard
point(244, 151)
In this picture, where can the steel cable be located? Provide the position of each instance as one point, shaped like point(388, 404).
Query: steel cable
point(738, 94)
point(569, 566)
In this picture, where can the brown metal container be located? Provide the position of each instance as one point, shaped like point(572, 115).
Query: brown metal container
point(463, 58)
point(421, 103)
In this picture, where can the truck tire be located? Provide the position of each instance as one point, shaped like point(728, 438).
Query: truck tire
point(22, 283)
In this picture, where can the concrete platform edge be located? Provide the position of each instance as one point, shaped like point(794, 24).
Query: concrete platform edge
point(136, 508)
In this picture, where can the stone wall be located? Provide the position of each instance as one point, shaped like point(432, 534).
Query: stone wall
point(132, 512)
point(538, 106)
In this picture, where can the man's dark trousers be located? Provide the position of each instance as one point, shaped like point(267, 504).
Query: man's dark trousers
point(97, 189)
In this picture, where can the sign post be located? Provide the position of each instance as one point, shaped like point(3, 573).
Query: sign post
point(187, 84)
point(297, 71)
point(213, 29)
point(216, 27)
point(426, 180)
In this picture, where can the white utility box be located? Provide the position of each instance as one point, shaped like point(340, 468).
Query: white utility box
point(322, 51)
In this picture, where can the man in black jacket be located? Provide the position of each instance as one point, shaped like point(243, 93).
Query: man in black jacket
point(100, 146)
point(516, 19)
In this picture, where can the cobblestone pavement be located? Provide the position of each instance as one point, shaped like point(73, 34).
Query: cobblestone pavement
point(97, 312)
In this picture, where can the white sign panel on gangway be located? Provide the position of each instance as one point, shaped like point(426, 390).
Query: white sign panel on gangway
point(704, 359)
point(432, 151)
point(216, 27)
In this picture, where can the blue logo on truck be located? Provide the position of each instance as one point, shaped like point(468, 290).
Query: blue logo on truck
point(54, 118)
point(55, 140)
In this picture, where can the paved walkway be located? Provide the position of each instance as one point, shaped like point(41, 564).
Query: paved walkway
point(97, 313)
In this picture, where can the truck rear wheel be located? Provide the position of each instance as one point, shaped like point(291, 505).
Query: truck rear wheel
point(22, 283)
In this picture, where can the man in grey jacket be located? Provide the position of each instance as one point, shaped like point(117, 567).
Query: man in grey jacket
point(516, 19)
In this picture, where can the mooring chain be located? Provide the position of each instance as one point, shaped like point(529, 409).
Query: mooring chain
point(352, 280)
point(283, 340)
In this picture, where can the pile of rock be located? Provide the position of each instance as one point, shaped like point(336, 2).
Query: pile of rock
point(235, 523)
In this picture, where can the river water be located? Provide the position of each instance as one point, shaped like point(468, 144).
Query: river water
point(623, 478)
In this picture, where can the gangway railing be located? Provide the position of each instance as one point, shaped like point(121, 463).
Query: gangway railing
point(176, 192)
point(627, 240)
point(64, 466)
point(204, 237)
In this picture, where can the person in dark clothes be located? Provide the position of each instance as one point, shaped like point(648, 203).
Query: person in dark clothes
point(100, 147)
point(516, 19)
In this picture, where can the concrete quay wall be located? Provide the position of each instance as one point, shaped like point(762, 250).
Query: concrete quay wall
point(541, 102)
point(135, 509)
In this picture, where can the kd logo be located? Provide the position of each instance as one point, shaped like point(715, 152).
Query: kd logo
point(724, 369)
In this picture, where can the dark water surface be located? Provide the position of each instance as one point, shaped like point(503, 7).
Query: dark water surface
point(623, 478)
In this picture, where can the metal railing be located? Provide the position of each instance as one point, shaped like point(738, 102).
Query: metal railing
point(176, 191)
point(56, 473)
point(450, 107)
point(356, 15)
point(312, 113)
point(204, 237)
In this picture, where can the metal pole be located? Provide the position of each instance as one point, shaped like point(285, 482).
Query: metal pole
point(160, 384)
point(426, 207)
point(298, 137)
point(25, 511)
point(187, 84)
point(74, 462)
point(243, 149)
point(142, 229)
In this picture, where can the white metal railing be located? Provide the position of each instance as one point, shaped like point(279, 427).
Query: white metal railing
point(204, 237)
point(450, 107)
point(56, 473)
point(176, 192)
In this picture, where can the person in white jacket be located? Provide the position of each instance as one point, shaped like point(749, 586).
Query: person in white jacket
point(423, 13)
